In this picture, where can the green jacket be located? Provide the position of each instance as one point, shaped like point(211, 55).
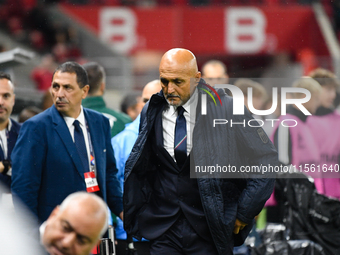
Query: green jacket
point(117, 119)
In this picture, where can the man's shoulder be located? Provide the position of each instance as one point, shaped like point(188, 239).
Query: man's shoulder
point(97, 103)
point(130, 131)
point(15, 125)
point(120, 116)
point(93, 113)
point(224, 96)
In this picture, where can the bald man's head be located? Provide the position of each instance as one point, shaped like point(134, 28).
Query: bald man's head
point(179, 59)
point(75, 227)
point(176, 69)
point(149, 89)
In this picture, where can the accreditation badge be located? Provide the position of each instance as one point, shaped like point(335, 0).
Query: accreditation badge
point(91, 182)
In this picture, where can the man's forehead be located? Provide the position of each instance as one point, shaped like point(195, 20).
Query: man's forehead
point(60, 76)
point(6, 85)
point(175, 72)
point(79, 224)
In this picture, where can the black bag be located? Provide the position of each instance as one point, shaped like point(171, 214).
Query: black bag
point(273, 232)
point(312, 216)
point(292, 247)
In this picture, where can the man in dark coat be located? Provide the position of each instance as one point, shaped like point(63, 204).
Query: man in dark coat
point(65, 149)
point(9, 128)
point(162, 202)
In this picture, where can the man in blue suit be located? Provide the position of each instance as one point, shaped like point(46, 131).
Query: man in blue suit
point(9, 129)
point(65, 149)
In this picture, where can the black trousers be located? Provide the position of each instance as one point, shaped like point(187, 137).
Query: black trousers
point(182, 239)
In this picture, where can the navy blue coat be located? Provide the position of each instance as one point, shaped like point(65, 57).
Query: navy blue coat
point(13, 136)
point(47, 167)
point(223, 199)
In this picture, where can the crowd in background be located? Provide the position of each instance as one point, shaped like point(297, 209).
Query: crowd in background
point(313, 137)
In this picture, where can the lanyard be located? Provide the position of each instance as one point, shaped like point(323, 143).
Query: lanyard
point(92, 156)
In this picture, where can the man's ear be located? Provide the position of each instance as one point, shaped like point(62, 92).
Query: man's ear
point(197, 78)
point(85, 91)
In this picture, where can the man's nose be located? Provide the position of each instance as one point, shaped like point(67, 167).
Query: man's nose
point(171, 88)
point(69, 240)
point(59, 92)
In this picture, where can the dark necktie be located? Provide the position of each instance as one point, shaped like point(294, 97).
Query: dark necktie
point(180, 138)
point(79, 141)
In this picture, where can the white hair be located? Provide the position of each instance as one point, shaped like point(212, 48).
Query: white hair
point(81, 195)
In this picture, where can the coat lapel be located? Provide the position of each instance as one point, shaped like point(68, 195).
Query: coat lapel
point(13, 134)
point(64, 134)
point(159, 138)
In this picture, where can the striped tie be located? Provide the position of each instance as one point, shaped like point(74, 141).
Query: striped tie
point(180, 138)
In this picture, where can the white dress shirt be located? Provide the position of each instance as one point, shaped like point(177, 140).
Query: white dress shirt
point(3, 138)
point(169, 117)
point(81, 118)
point(3, 143)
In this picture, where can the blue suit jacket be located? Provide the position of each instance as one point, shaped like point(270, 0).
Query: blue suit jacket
point(47, 167)
point(12, 138)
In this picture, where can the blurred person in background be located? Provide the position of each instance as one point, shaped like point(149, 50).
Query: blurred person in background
point(95, 100)
point(75, 227)
point(122, 145)
point(28, 112)
point(259, 98)
point(215, 72)
point(329, 84)
point(295, 145)
point(47, 100)
point(325, 128)
point(9, 128)
point(42, 75)
point(65, 149)
point(132, 104)
point(259, 94)
point(269, 127)
point(14, 239)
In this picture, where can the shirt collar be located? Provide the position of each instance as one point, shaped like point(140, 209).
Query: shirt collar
point(41, 231)
point(81, 118)
point(9, 125)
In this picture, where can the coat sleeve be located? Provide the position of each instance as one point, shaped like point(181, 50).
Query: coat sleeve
point(256, 147)
point(114, 191)
point(28, 158)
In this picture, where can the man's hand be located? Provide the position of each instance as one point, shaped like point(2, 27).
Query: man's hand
point(121, 216)
point(239, 225)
